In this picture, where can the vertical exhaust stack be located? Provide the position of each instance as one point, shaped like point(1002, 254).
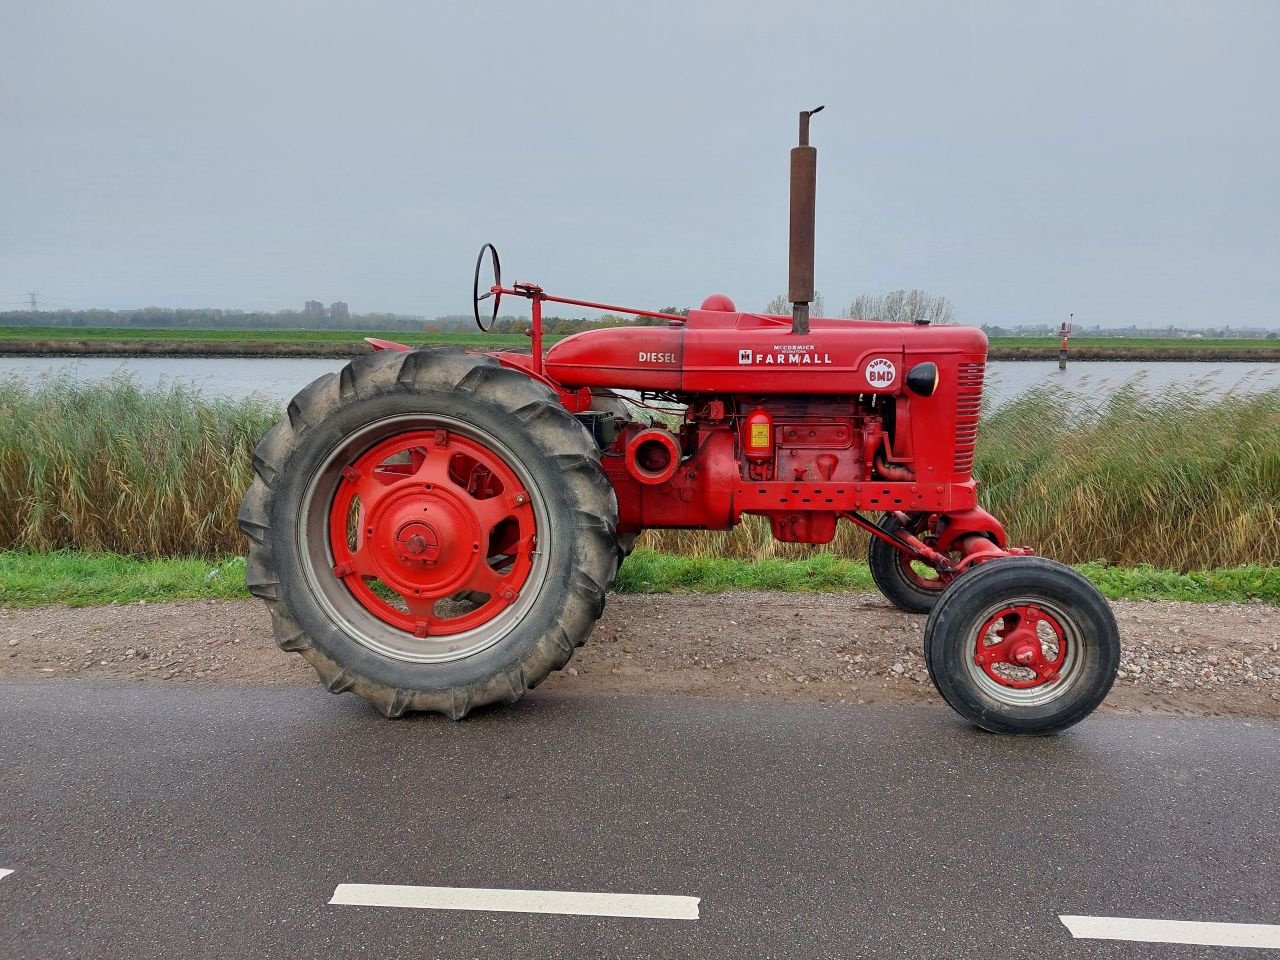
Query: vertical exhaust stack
point(804, 190)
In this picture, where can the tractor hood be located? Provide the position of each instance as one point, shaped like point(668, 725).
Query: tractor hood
point(723, 352)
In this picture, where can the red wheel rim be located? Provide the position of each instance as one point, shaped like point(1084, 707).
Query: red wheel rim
point(424, 516)
point(1021, 646)
point(938, 582)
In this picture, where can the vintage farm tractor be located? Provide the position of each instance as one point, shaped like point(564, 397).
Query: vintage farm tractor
point(435, 529)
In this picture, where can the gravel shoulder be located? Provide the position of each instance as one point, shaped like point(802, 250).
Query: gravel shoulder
point(1187, 658)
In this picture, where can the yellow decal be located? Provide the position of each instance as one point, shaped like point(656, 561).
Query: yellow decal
point(759, 435)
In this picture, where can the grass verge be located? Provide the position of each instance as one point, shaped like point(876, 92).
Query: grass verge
point(95, 579)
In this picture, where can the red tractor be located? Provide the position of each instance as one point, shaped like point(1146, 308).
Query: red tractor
point(437, 530)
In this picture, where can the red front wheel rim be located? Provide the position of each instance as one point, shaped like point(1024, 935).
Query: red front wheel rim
point(1022, 647)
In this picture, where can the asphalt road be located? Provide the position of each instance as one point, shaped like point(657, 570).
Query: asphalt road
point(152, 821)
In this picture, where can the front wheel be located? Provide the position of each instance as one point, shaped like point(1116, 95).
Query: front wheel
point(1022, 645)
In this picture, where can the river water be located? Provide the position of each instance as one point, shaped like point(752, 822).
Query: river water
point(279, 378)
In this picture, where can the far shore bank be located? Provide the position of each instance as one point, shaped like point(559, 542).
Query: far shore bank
point(335, 350)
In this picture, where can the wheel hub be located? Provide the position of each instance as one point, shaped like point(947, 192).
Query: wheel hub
point(422, 539)
point(430, 515)
point(1014, 638)
point(418, 542)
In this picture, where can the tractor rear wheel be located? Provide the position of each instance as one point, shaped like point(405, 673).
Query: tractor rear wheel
point(906, 583)
point(430, 530)
point(1022, 645)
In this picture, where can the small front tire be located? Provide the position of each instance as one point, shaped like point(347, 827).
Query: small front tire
point(1022, 645)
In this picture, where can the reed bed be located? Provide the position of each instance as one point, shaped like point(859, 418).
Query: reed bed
point(1175, 480)
point(116, 467)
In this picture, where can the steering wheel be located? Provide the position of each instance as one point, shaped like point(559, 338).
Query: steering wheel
point(477, 296)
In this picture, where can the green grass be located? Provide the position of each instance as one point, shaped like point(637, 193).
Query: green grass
point(647, 571)
point(94, 579)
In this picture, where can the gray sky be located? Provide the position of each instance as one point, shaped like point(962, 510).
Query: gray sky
point(1118, 160)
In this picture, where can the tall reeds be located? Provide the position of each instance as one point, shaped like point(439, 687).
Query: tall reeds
point(113, 466)
point(1176, 480)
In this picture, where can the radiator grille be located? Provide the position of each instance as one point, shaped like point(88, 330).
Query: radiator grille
point(968, 406)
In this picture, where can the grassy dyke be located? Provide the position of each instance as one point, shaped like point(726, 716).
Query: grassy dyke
point(94, 579)
point(170, 342)
point(1177, 481)
point(194, 341)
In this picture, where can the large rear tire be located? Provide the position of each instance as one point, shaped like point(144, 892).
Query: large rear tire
point(1022, 645)
point(430, 530)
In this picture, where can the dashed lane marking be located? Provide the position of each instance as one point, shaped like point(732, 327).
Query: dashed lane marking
point(518, 901)
point(1265, 935)
point(4, 873)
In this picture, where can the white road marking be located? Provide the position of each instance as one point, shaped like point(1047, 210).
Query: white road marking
point(4, 873)
point(1266, 935)
point(518, 901)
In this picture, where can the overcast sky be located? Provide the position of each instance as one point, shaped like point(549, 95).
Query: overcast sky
point(1119, 160)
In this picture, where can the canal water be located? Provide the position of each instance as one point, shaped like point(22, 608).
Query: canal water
point(279, 378)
